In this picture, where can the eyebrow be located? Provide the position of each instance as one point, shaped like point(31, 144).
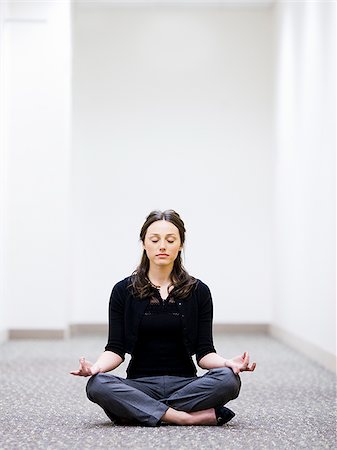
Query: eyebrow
point(170, 234)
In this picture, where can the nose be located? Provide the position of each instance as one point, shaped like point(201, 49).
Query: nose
point(162, 245)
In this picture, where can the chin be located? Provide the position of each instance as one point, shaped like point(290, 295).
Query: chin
point(162, 263)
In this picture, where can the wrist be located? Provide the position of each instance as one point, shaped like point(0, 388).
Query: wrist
point(96, 369)
point(228, 363)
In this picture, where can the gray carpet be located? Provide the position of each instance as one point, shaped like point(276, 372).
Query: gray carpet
point(289, 402)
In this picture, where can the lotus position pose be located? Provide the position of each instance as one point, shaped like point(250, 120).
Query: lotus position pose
point(162, 316)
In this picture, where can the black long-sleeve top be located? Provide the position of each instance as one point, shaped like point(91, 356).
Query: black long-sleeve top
point(159, 349)
point(126, 312)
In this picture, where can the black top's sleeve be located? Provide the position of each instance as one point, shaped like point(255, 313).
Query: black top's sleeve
point(205, 322)
point(116, 321)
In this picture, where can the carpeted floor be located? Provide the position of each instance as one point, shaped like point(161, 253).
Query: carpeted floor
point(289, 402)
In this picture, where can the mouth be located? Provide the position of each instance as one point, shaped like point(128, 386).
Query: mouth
point(162, 254)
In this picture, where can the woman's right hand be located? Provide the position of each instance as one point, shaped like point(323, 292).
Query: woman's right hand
point(86, 369)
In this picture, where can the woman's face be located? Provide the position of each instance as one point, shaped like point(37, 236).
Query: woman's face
point(162, 243)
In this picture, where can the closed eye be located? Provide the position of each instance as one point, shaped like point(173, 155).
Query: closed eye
point(154, 241)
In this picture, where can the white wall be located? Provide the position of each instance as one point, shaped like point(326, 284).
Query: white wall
point(37, 164)
point(3, 322)
point(305, 174)
point(172, 108)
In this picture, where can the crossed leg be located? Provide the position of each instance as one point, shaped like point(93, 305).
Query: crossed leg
point(142, 400)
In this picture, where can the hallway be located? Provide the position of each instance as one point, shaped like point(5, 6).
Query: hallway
point(223, 111)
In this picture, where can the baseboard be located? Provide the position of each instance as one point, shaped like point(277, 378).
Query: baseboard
point(36, 334)
point(79, 329)
point(322, 357)
point(241, 328)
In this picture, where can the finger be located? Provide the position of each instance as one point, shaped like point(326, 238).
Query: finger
point(244, 362)
point(75, 372)
point(83, 364)
point(253, 367)
point(80, 374)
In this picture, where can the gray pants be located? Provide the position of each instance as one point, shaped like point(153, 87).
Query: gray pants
point(145, 400)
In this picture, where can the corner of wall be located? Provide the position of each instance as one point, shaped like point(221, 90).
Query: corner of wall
point(312, 351)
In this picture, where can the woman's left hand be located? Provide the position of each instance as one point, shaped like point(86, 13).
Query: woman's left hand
point(240, 363)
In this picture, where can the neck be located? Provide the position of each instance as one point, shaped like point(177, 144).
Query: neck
point(160, 276)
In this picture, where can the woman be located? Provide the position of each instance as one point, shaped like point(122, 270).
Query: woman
point(162, 316)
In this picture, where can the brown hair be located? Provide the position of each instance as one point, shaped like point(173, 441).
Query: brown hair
point(183, 282)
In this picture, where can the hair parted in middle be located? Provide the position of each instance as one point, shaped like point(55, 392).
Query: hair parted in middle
point(183, 282)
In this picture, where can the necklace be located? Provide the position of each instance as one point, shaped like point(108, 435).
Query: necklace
point(153, 285)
